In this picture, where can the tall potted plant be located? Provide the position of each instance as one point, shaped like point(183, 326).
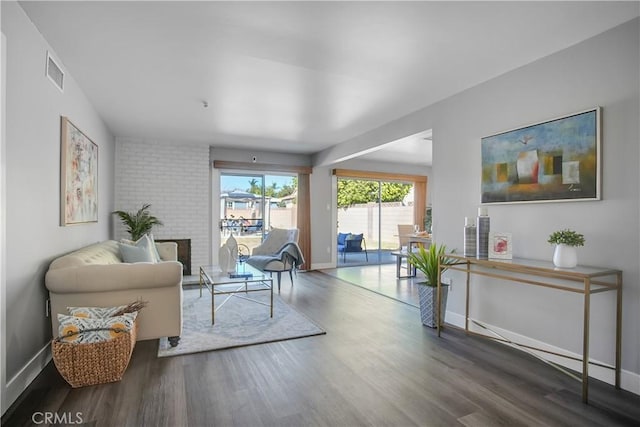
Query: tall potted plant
point(139, 223)
point(426, 260)
point(566, 241)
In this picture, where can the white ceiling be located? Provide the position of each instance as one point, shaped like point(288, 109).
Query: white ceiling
point(297, 76)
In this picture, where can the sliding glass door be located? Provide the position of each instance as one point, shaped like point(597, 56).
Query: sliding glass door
point(373, 208)
point(252, 204)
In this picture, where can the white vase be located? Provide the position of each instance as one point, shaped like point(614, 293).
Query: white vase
point(565, 256)
point(223, 258)
point(233, 260)
point(232, 244)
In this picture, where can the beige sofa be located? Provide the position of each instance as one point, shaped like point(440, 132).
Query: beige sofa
point(95, 276)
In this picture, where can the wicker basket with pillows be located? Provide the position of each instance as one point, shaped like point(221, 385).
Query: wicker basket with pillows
point(94, 345)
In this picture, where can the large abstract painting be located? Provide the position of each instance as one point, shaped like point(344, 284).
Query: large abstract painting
point(78, 177)
point(557, 160)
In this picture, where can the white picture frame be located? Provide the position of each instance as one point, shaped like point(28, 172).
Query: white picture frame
point(500, 245)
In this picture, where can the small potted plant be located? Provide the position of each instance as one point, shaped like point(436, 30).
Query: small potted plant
point(566, 241)
point(139, 223)
point(426, 260)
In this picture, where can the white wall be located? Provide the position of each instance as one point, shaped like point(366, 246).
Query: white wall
point(33, 234)
point(3, 222)
point(174, 178)
point(600, 71)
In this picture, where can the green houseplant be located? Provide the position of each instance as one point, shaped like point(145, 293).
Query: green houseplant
point(426, 260)
point(566, 241)
point(139, 223)
point(566, 237)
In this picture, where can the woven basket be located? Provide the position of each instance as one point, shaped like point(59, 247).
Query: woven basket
point(94, 363)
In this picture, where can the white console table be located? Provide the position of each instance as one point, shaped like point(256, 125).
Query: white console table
point(581, 280)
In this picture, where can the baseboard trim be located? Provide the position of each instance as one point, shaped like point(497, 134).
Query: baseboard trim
point(629, 381)
point(26, 375)
point(322, 266)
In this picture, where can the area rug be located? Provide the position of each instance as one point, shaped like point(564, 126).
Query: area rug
point(238, 323)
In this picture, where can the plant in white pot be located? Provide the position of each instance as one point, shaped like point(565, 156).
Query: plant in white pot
point(566, 241)
point(426, 260)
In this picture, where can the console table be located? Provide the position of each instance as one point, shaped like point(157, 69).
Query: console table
point(581, 280)
point(215, 280)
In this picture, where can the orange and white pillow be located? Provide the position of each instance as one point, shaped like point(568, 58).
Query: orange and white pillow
point(94, 312)
point(91, 330)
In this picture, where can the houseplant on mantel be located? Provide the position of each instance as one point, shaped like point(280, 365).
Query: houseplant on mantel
point(566, 241)
point(426, 260)
point(139, 223)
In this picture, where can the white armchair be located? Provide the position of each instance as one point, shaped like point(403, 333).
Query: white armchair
point(279, 252)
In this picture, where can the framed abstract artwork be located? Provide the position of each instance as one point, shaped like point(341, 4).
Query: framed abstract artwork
point(556, 160)
point(78, 176)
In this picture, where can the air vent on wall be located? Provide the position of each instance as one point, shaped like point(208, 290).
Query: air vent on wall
point(55, 73)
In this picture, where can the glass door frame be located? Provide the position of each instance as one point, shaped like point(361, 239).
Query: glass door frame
point(261, 200)
point(419, 183)
point(379, 249)
point(270, 215)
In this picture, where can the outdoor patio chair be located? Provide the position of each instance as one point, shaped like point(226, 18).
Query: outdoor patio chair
point(348, 242)
point(404, 238)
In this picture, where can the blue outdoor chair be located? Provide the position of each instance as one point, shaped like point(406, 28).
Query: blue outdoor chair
point(348, 242)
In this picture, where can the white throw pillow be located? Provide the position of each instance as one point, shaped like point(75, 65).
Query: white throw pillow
point(154, 248)
point(148, 251)
point(133, 254)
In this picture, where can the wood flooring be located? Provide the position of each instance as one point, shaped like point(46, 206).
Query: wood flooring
point(376, 366)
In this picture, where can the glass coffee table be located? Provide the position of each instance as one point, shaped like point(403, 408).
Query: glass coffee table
point(239, 287)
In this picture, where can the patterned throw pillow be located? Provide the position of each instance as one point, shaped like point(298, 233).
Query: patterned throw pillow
point(94, 312)
point(84, 330)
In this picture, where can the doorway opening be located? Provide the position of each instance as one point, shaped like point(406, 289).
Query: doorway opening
point(371, 209)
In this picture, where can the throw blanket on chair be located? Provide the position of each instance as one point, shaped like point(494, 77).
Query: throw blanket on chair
point(289, 255)
point(289, 258)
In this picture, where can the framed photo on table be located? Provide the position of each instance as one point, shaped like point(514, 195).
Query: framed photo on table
point(78, 176)
point(500, 245)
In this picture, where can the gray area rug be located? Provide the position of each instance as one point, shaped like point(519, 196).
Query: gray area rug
point(238, 323)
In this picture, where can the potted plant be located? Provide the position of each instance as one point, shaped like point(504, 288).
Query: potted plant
point(426, 260)
point(139, 223)
point(566, 241)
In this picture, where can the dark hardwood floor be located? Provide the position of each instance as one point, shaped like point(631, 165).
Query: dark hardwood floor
point(376, 366)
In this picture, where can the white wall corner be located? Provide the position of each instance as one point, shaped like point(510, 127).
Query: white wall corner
point(26, 375)
point(4, 402)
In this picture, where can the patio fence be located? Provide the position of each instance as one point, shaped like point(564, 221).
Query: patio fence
point(355, 219)
point(364, 218)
